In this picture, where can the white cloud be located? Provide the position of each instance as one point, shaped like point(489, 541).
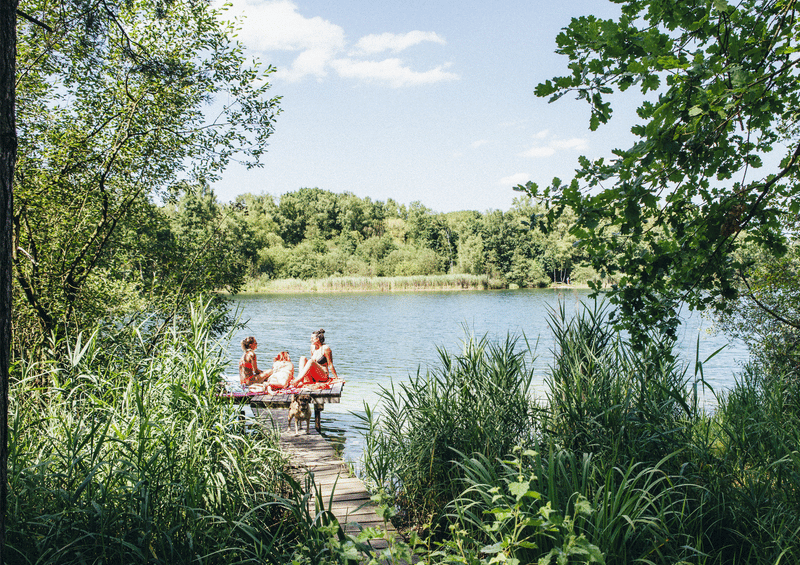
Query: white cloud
point(577, 143)
point(539, 152)
point(390, 71)
point(554, 145)
point(514, 180)
point(476, 144)
point(312, 62)
point(277, 25)
point(378, 43)
point(542, 134)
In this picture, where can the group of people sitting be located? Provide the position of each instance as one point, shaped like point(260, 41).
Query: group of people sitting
point(316, 368)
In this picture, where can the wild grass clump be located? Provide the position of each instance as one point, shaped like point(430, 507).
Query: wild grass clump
point(754, 477)
point(375, 284)
point(140, 462)
point(619, 465)
point(561, 507)
point(475, 402)
point(607, 398)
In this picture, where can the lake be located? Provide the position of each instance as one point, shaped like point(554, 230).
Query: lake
point(377, 338)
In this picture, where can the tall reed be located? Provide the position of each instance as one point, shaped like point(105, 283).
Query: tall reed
point(475, 402)
point(608, 398)
point(374, 284)
point(137, 462)
point(754, 484)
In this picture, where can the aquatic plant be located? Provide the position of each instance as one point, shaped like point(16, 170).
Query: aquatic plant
point(137, 462)
point(477, 401)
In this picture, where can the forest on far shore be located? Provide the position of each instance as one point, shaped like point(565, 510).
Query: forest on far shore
point(314, 233)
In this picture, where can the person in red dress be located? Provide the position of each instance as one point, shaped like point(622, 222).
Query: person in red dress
point(318, 367)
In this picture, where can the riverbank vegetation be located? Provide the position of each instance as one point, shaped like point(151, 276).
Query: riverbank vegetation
point(617, 462)
point(374, 284)
point(316, 234)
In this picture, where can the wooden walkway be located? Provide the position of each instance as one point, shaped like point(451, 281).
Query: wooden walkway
point(343, 494)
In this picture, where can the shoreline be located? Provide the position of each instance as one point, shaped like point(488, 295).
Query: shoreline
point(421, 283)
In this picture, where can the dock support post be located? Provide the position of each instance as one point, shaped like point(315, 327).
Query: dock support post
point(317, 416)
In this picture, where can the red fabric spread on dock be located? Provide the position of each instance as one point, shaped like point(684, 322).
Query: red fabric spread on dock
point(236, 390)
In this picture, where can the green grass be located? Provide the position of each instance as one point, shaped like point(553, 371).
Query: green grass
point(373, 284)
point(618, 465)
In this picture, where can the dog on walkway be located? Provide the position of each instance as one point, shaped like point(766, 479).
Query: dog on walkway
point(299, 410)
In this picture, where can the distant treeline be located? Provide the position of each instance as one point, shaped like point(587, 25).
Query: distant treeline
point(313, 233)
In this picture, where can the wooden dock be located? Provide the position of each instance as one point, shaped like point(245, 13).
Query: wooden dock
point(234, 392)
point(346, 495)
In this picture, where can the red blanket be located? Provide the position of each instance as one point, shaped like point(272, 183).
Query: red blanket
point(235, 389)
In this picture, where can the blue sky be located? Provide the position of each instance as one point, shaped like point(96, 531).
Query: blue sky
point(430, 101)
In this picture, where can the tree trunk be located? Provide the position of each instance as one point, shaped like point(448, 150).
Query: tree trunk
point(8, 155)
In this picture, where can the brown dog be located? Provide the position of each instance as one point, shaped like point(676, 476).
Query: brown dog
point(299, 410)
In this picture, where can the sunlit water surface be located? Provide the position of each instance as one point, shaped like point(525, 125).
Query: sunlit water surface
point(380, 338)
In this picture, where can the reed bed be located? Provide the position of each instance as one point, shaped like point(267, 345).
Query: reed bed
point(617, 465)
point(373, 284)
point(476, 401)
point(122, 456)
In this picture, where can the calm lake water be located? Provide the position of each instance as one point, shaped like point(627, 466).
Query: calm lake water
point(377, 338)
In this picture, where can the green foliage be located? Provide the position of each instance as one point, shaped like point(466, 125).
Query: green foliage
point(128, 457)
point(502, 516)
point(314, 234)
point(585, 274)
point(720, 96)
point(606, 397)
point(476, 402)
point(111, 114)
point(767, 315)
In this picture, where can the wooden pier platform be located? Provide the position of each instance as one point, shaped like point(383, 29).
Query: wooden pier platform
point(346, 495)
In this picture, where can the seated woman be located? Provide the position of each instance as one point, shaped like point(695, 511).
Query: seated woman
point(248, 364)
point(319, 366)
point(281, 374)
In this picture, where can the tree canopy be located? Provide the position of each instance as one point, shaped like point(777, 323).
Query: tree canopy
point(315, 233)
point(716, 161)
point(120, 103)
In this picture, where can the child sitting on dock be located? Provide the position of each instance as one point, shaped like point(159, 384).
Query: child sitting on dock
point(281, 374)
point(274, 379)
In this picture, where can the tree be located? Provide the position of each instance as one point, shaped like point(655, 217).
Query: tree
point(767, 315)
point(722, 94)
point(169, 254)
point(8, 152)
point(118, 102)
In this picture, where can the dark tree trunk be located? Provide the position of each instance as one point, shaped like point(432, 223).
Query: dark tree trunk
point(8, 155)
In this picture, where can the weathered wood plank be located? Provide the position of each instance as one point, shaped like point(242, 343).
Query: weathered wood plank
point(346, 495)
